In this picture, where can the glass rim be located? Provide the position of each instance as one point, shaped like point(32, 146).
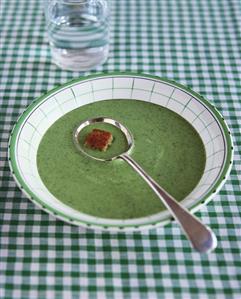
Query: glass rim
point(72, 2)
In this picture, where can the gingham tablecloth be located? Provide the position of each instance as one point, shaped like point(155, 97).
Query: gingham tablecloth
point(196, 42)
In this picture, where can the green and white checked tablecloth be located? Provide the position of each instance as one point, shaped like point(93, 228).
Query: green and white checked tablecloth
point(196, 42)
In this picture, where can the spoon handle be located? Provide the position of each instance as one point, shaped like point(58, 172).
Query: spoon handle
point(200, 236)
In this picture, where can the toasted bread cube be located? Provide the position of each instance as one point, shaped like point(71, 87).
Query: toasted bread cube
point(98, 139)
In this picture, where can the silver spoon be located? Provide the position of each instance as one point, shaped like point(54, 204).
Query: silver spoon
point(201, 237)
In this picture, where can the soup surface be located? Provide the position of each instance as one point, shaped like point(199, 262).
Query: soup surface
point(165, 145)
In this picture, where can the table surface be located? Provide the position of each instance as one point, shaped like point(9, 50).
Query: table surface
point(194, 42)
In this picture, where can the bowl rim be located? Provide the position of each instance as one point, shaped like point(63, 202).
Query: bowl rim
point(38, 201)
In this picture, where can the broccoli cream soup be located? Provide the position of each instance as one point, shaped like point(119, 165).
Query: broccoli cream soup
point(165, 145)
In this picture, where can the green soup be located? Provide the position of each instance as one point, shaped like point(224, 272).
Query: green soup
point(165, 145)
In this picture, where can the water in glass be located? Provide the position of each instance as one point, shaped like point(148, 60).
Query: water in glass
point(78, 32)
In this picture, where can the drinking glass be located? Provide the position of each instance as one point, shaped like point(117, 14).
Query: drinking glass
point(78, 33)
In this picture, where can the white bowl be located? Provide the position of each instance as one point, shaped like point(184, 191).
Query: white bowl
point(43, 112)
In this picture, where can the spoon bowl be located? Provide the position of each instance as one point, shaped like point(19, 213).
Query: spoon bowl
point(107, 120)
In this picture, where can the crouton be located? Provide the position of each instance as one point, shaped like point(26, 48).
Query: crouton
point(98, 139)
